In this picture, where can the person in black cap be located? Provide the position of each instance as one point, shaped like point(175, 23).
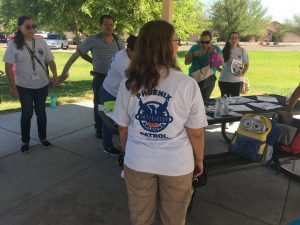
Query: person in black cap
point(110, 87)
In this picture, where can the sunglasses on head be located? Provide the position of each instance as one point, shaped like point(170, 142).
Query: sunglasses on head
point(33, 26)
point(205, 42)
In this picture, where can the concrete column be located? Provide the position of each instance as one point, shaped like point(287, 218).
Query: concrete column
point(167, 10)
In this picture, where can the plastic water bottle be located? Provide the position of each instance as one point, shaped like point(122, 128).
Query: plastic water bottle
point(52, 101)
point(217, 113)
point(225, 105)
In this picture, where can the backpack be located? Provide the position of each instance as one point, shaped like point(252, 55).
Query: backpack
point(253, 138)
point(289, 139)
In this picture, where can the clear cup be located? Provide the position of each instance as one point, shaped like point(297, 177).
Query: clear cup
point(218, 108)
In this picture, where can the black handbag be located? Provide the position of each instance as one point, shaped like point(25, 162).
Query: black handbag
point(199, 181)
point(207, 82)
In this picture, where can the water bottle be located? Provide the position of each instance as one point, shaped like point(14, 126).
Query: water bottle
point(52, 101)
point(217, 113)
point(225, 105)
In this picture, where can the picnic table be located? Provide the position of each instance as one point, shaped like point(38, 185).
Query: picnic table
point(227, 162)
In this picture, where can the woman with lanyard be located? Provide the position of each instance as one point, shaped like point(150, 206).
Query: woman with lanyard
point(198, 57)
point(30, 56)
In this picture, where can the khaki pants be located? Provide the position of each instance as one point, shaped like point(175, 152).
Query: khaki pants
point(146, 191)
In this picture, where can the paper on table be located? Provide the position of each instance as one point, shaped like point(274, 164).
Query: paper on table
point(232, 113)
point(266, 98)
point(209, 118)
point(240, 108)
point(265, 105)
point(239, 100)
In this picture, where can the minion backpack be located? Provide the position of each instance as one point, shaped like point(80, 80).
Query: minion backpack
point(254, 138)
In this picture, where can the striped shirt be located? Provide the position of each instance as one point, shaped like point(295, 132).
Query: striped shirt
point(102, 52)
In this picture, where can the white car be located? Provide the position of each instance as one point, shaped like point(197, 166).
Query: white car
point(56, 41)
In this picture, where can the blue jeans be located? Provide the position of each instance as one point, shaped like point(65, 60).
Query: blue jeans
point(33, 99)
point(97, 83)
point(106, 132)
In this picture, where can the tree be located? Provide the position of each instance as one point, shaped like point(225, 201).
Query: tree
point(293, 25)
point(83, 15)
point(248, 17)
point(189, 18)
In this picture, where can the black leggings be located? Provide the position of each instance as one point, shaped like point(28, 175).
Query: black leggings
point(230, 88)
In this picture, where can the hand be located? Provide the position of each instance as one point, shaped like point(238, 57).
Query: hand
point(213, 49)
point(62, 78)
point(198, 170)
point(240, 74)
point(14, 92)
point(55, 81)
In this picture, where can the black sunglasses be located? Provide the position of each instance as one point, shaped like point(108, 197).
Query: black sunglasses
point(205, 42)
point(33, 26)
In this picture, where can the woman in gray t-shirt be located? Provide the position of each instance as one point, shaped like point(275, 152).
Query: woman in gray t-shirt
point(234, 68)
point(30, 55)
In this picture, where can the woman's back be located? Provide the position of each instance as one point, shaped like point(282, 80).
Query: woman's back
point(157, 137)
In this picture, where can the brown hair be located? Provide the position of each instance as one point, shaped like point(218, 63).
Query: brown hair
point(153, 52)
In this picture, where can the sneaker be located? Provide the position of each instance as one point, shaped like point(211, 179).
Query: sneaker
point(98, 134)
point(46, 144)
point(112, 151)
point(25, 148)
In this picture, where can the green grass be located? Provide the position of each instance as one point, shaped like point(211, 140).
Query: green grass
point(269, 72)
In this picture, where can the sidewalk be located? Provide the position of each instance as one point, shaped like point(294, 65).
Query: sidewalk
point(76, 183)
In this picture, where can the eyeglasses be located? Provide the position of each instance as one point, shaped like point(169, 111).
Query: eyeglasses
point(28, 27)
point(205, 42)
point(178, 40)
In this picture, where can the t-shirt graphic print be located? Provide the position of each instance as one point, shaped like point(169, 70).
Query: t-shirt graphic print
point(154, 116)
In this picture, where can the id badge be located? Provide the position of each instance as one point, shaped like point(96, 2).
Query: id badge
point(35, 77)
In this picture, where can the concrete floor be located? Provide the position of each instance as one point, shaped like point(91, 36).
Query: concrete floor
point(76, 183)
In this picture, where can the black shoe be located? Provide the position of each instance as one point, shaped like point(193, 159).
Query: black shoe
point(98, 134)
point(46, 144)
point(112, 151)
point(25, 148)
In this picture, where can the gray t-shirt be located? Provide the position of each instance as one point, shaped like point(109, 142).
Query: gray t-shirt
point(102, 52)
point(24, 68)
point(116, 72)
point(237, 54)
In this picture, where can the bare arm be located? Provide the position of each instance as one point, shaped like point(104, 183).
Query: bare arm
point(197, 140)
point(293, 100)
point(245, 69)
point(52, 66)
point(11, 83)
point(123, 132)
point(86, 57)
point(188, 58)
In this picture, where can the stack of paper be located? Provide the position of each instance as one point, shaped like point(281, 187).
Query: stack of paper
point(267, 98)
point(265, 105)
point(240, 108)
point(239, 100)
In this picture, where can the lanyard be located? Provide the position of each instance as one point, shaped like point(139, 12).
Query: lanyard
point(32, 53)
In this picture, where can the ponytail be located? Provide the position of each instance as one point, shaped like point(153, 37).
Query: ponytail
point(226, 51)
point(19, 38)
